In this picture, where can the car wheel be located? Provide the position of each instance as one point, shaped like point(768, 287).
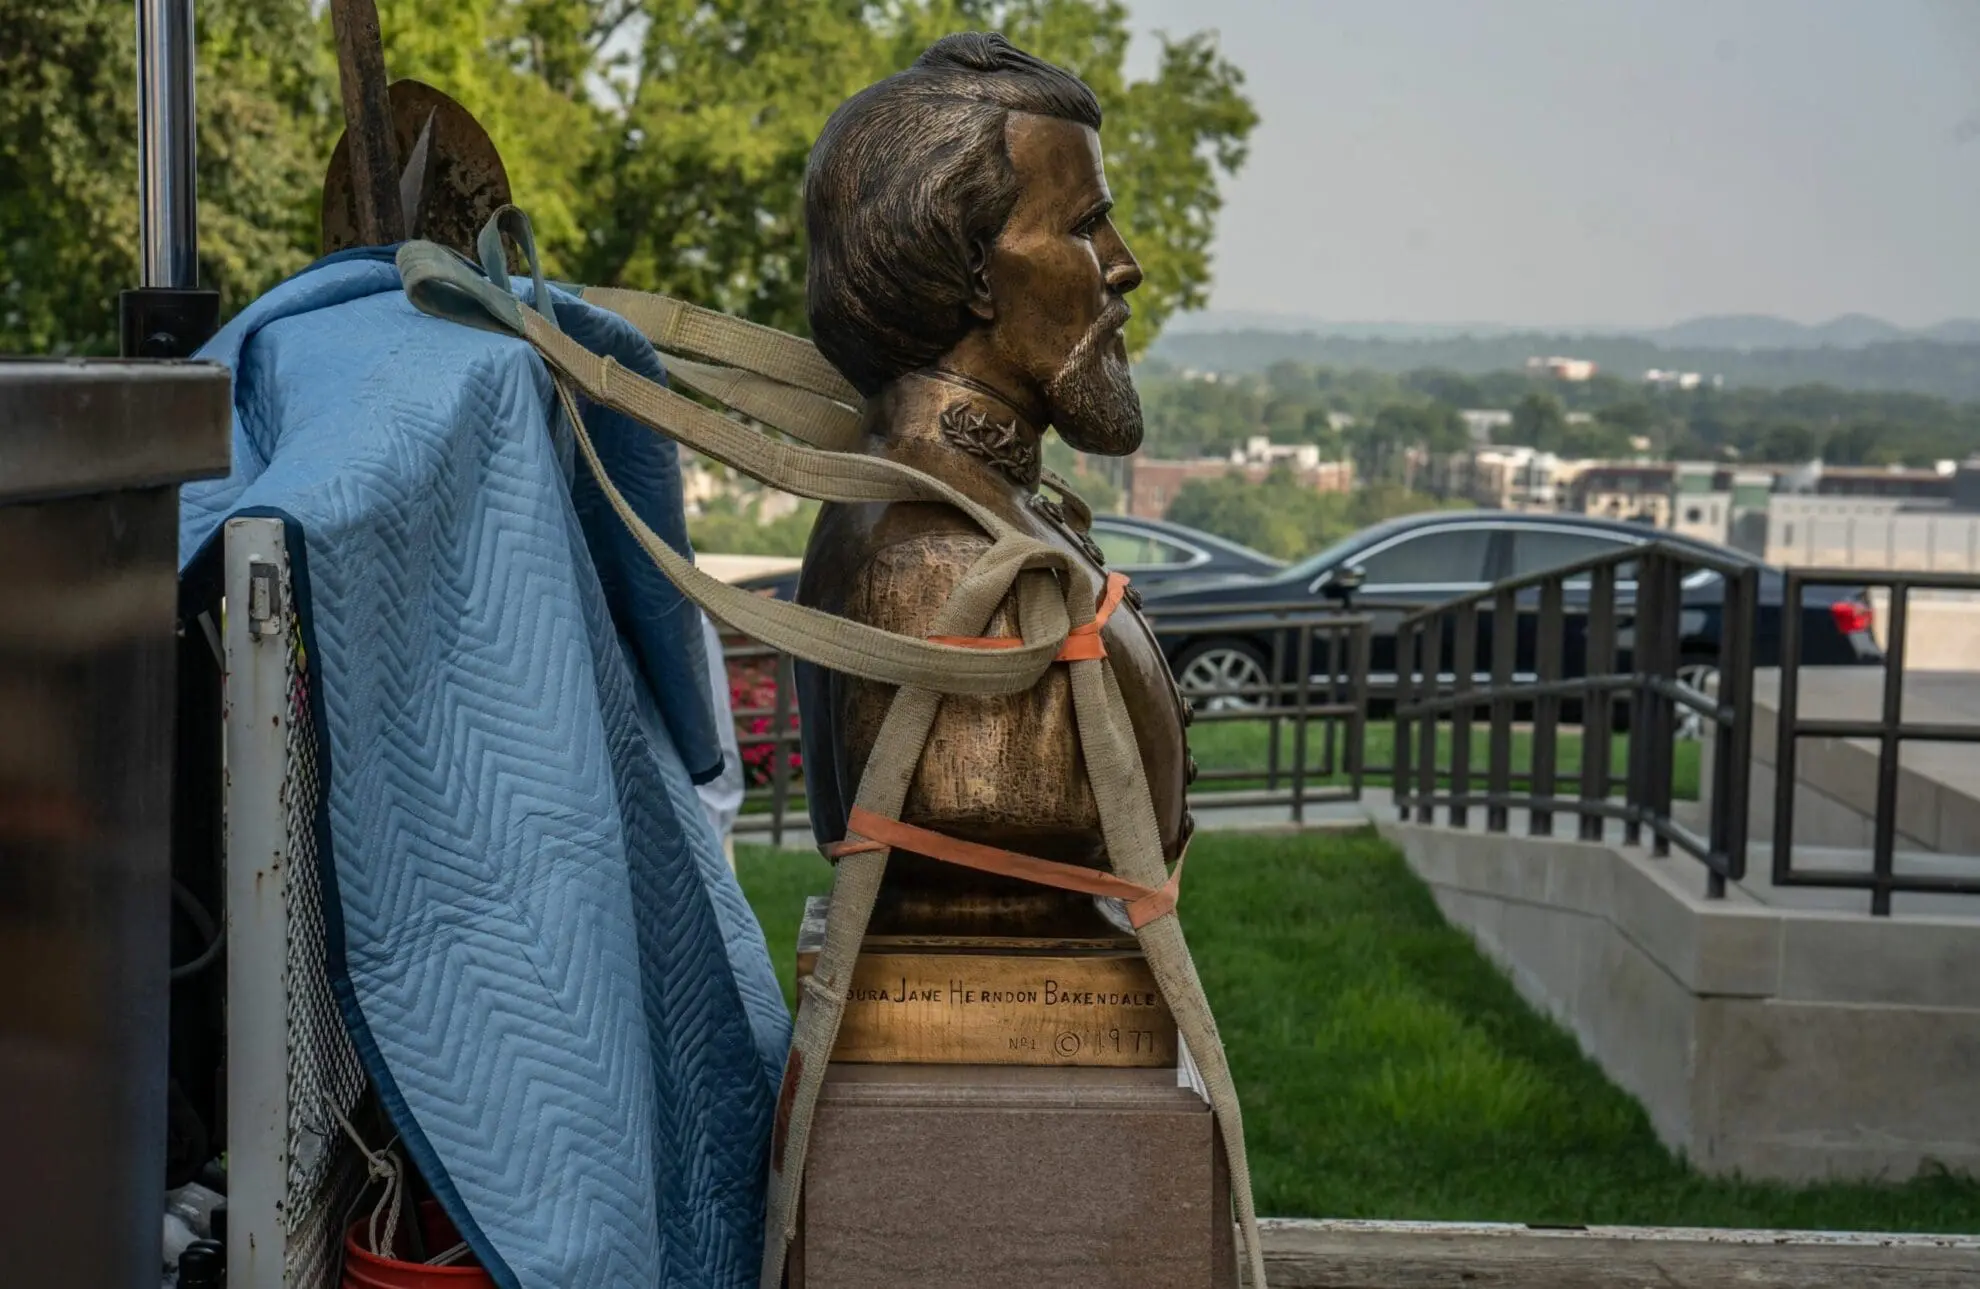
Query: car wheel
point(1704, 678)
point(1209, 671)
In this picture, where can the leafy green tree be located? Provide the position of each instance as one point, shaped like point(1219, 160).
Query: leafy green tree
point(697, 193)
point(1190, 418)
point(1788, 442)
point(1629, 417)
point(68, 159)
point(1093, 478)
point(1273, 516)
point(730, 525)
point(656, 144)
point(1281, 516)
point(1448, 387)
point(1538, 421)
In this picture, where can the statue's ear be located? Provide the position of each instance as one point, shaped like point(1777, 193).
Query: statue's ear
point(982, 302)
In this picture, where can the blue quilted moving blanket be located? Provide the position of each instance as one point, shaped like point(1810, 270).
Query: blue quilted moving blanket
point(551, 974)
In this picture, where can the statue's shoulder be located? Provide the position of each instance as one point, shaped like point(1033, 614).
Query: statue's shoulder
point(894, 537)
point(890, 565)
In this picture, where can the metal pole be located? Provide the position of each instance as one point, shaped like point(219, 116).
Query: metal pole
point(169, 315)
point(168, 201)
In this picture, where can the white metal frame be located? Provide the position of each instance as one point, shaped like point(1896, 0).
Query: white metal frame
point(292, 1175)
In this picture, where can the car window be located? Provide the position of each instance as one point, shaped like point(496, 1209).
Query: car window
point(1451, 557)
point(1138, 549)
point(1536, 550)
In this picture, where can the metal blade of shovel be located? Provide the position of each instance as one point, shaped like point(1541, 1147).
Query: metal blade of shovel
point(413, 179)
point(452, 181)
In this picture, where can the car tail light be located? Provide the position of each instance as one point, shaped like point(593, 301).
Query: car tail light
point(1851, 616)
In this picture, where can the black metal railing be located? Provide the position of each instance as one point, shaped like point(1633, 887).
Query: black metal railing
point(1889, 728)
point(1309, 708)
point(1316, 672)
point(1605, 635)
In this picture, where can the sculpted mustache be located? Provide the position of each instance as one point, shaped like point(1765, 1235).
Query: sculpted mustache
point(1102, 331)
point(1118, 313)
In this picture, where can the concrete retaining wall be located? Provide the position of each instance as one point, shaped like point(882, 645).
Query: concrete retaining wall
point(1835, 801)
point(1779, 1043)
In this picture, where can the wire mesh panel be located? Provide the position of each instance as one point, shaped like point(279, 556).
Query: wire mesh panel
point(325, 1079)
point(293, 1074)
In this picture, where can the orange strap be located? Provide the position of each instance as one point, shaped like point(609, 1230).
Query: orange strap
point(1144, 903)
point(1083, 643)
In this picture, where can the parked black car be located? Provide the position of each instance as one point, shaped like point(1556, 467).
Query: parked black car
point(1395, 567)
point(1153, 552)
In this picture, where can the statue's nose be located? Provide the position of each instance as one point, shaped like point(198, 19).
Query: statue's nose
point(1124, 274)
point(1123, 270)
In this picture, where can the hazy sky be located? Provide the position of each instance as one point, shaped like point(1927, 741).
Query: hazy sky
point(1599, 161)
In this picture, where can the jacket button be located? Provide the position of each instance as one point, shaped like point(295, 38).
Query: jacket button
point(1189, 771)
point(1188, 828)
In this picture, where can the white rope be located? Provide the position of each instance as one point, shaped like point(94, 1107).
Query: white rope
point(385, 1168)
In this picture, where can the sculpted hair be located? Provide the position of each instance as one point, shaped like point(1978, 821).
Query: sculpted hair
point(906, 178)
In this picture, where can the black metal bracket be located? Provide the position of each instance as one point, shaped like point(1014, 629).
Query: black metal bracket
point(166, 322)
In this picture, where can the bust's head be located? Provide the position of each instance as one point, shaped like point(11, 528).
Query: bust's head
point(958, 218)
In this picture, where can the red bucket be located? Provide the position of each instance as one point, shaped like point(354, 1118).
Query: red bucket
point(363, 1270)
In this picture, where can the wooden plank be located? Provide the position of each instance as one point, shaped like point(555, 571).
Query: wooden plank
point(1428, 1255)
point(1096, 1008)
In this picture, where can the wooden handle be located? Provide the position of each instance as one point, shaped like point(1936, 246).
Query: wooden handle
point(381, 217)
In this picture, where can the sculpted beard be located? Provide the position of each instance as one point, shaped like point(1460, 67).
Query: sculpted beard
point(1091, 398)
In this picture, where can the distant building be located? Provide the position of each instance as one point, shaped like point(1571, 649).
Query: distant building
point(1966, 485)
point(1481, 424)
point(1678, 379)
point(1807, 515)
point(1502, 478)
point(1902, 482)
point(1260, 450)
point(1628, 491)
point(1567, 369)
point(1701, 502)
point(1890, 517)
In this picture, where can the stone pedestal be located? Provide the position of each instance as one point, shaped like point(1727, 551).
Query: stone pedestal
point(926, 1176)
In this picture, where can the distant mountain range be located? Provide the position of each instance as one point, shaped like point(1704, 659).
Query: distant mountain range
point(1718, 331)
point(1853, 352)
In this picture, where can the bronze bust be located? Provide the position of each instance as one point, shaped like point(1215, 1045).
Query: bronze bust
point(966, 278)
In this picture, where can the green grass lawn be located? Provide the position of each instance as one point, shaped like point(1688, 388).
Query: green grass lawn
point(1388, 1071)
point(1244, 745)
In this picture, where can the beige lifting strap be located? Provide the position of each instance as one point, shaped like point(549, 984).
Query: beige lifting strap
point(785, 384)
